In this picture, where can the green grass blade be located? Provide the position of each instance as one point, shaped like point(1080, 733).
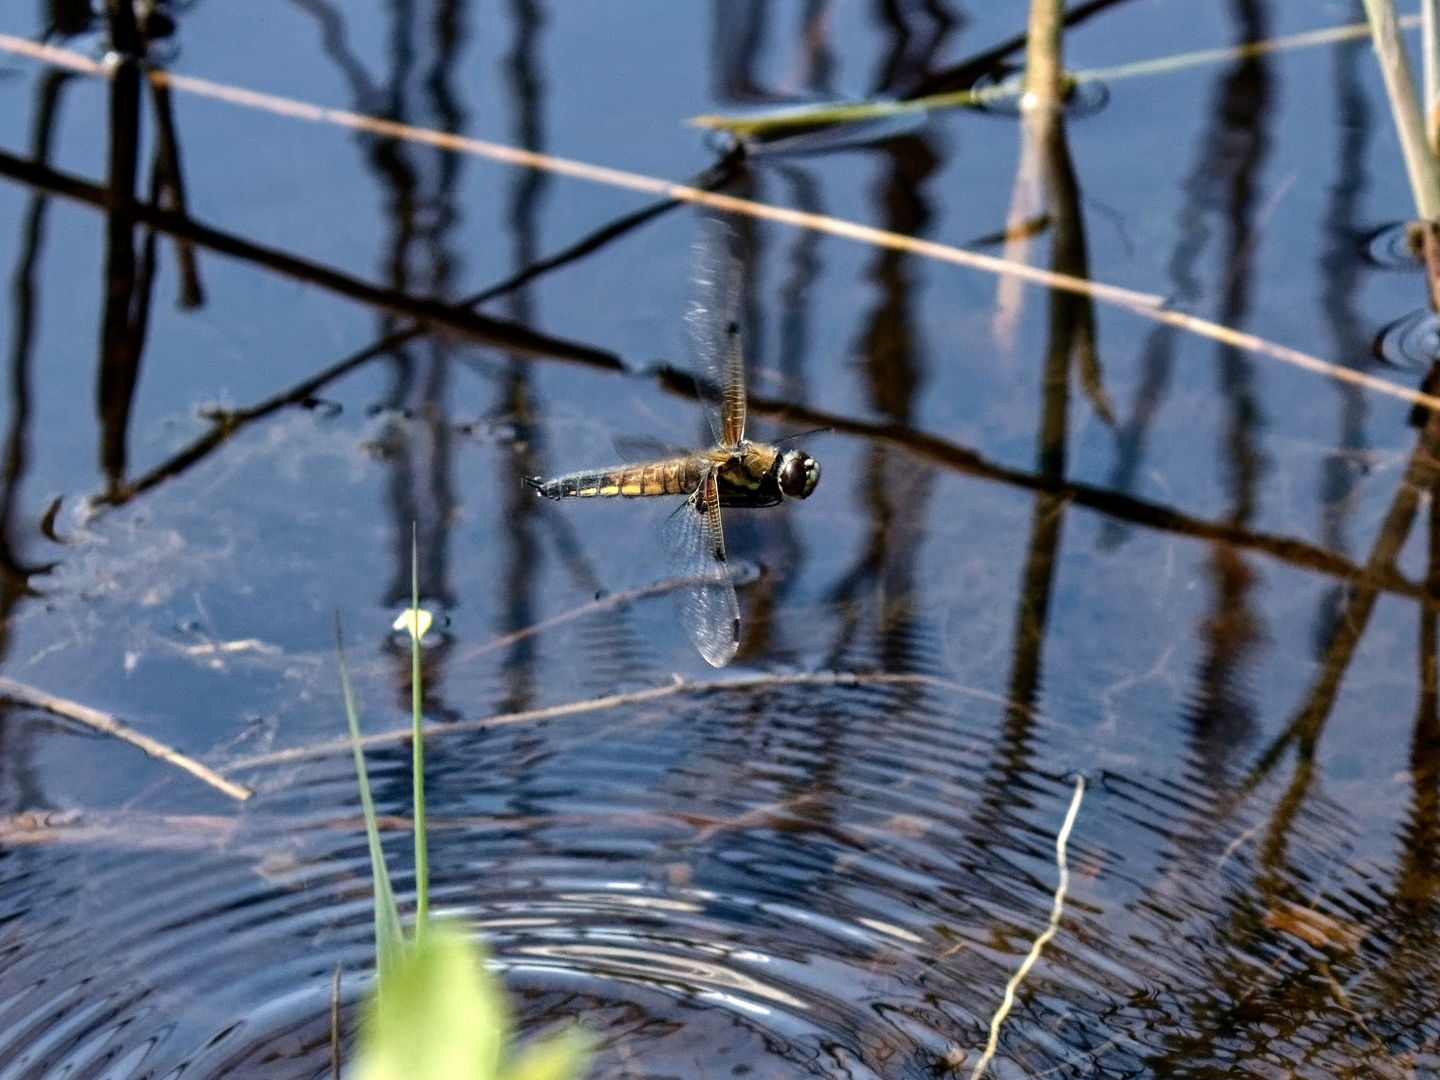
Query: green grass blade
point(417, 744)
point(389, 941)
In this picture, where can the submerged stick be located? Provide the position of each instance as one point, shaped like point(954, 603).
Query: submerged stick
point(22, 694)
point(1056, 910)
point(614, 701)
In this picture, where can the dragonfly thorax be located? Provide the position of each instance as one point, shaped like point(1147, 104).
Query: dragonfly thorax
point(757, 474)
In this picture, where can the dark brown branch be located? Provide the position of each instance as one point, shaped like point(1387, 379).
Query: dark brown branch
point(480, 329)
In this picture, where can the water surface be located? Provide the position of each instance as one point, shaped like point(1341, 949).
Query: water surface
point(1151, 576)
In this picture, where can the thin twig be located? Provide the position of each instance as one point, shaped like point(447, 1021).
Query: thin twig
point(1056, 910)
point(335, 1024)
point(20, 693)
point(614, 701)
point(1146, 305)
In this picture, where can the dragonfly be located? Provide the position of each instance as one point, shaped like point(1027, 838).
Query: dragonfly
point(734, 472)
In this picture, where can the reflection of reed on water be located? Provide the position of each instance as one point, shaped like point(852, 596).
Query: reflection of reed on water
point(879, 594)
point(1341, 274)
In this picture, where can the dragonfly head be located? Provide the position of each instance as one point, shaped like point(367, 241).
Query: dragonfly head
point(798, 473)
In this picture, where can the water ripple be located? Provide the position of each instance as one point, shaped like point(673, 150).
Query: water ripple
point(786, 881)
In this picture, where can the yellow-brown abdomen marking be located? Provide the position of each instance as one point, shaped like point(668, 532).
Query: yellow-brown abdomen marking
point(677, 476)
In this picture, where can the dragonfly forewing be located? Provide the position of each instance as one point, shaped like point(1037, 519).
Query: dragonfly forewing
point(695, 545)
point(714, 324)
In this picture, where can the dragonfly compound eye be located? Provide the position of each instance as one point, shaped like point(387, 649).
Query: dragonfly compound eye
point(799, 473)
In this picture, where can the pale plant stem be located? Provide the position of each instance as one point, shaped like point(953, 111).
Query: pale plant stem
point(1146, 305)
point(1057, 909)
point(1044, 64)
point(1430, 66)
point(1420, 164)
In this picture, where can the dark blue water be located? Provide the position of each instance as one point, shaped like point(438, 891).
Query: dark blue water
point(1147, 570)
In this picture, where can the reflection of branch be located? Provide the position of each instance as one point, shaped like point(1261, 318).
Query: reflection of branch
point(1304, 730)
point(478, 328)
point(10, 690)
point(1142, 304)
point(332, 40)
point(964, 75)
point(168, 190)
point(13, 570)
point(613, 701)
point(228, 422)
point(1102, 500)
point(127, 294)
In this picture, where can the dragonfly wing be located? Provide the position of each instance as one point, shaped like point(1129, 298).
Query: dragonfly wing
point(695, 544)
point(714, 324)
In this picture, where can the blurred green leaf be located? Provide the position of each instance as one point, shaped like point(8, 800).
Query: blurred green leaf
point(439, 1016)
point(553, 1057)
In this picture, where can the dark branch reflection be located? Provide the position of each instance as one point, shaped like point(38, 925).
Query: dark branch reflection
point(880, 588)
point(420, 185)
point(1222, 184)
point(1221, 715)
point(20, 786)
point(516, 404)
point(127, 292)
point(1341, 273)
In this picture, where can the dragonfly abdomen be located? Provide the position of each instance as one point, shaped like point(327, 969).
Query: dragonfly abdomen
point(677, 476)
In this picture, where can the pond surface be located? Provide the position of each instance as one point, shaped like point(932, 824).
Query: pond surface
point(1144, 564)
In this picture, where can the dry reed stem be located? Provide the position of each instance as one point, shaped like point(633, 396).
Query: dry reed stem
point(1420, 163)
point(20, 693)
point(1146, 305)
point(1044, 68)
point(1430, 69)
point(613, 701)
point(1057, 909)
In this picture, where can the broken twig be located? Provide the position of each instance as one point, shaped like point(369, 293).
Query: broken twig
point(21, 694)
